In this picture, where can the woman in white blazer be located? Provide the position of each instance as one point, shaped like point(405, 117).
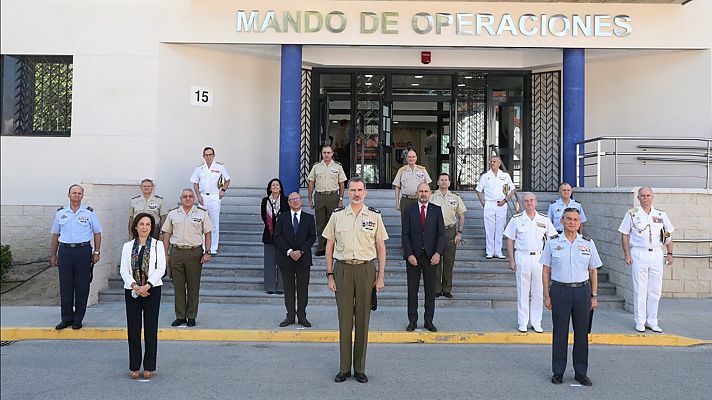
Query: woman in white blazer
point(142, 271)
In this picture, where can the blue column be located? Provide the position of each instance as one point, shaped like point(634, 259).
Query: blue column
point(290, 107)
point(574, 101)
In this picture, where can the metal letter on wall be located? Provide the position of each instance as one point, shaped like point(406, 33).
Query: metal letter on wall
point(545, 138)
point(470, 143)
point(305, 127)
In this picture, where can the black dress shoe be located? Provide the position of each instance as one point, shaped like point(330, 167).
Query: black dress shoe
point(178, 322)
point(411, 327)
point(62, 325)
point(305, 323)
point(438, 294)
point(280, 292)
point(557, 379)
point(429, 326)
point(448, 295)
point(342, 376)
point(270, 292)
point(319, 254)
point(77, 325)
point(191, 322)
point(583, 379)
point(361, 377)
point(286, 322)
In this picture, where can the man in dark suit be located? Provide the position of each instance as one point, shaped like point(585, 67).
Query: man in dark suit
point(423, 243)
point(294, 235)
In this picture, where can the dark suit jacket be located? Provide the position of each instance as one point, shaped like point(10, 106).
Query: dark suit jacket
point(283, 206)
point(416, 237)
point(284, 238)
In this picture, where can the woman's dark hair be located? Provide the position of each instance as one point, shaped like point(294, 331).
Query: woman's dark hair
point(137, 219)
point(281, 187)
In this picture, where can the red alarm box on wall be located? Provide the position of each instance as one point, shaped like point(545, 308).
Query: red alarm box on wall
point(425, 57)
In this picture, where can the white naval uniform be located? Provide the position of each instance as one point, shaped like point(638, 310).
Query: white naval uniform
point(209, 181)
point(529, 237)
point(644, 237)
point(556, 210)
point(494, 215)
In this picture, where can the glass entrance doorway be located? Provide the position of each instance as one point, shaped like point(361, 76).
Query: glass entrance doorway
point(453, 121)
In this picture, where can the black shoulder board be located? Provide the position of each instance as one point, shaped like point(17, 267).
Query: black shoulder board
point(554, 236)
point(337, 209)
point(337, 163)
point(158, 197)
point(377, 211)
point(542, 214)
point(174, 208)
point(586, 238)
point(135, 197)
point(202, 208)
point(90, 209)
point(60, 208)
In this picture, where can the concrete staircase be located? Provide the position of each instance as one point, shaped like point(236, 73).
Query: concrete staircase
point(235, 274)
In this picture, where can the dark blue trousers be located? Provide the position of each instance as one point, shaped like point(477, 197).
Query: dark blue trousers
point(570, 304)
point(74, 270)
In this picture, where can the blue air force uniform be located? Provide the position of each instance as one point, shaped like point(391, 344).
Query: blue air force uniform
point(570, 294)
point(75, 230)
point(556, 210)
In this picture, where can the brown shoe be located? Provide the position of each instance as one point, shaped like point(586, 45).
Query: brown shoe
point(133, 374)
point(148, 374)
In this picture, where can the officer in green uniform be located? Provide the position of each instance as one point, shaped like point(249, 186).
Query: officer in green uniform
point(453, 209)
point(327, 177)
point(355, 236)
point(148, 203)
point(184, 229)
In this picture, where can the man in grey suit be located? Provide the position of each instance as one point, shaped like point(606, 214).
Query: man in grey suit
point(294, 235)
point(423, 243)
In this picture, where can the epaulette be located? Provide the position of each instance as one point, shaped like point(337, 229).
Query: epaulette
point(403, 167)
point(660, 210)
point(586, 238)
point(90, 209)
point(419, 166)
point(336, 162)
point(158, 197)
point(136, 197)
point(554, 236)
point(201, 208)
point(174, 208)
point(337, 209)
point(517, 215)
point(377, 211)
point(199, 165)
point(542, 214)
point(219, 162)
point(456, 194)
point(633, 210)
point(60, 208)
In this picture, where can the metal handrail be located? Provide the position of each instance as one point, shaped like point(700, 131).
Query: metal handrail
point(686, 255)
point(705, 157)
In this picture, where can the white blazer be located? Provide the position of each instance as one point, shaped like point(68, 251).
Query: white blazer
point(156, 265)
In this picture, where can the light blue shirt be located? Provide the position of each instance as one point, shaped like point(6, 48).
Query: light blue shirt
point(570, 262)
point(556, 209)
point(75, 227)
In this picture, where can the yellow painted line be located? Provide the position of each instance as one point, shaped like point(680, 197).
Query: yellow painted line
point(316, 336)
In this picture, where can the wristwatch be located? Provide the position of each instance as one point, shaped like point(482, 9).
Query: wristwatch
point(594, 294)
point(341, 198)
point(328, 274)
point(289, 252)
point(97, 253)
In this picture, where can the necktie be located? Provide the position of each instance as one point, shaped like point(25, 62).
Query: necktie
point(422, 215)
point(295, 224)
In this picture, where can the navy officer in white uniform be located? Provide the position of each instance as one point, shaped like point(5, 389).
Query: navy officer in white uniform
point(74, 226)
point(571, 264)
point(556, 209)
point(210, 182)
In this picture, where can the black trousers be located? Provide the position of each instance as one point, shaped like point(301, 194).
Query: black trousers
point(295, 279)
point(146, 307)
point(413, 273)
point(74, 270)
point(570, 304)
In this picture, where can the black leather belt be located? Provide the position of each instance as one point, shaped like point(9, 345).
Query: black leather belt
point(531, 253)
point(73, 245)
point(572, 285)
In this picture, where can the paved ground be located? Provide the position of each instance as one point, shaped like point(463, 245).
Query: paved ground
point(214, 370)
point(689, 318)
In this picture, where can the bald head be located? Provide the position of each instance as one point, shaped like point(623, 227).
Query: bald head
point(295, 201)
point(423, 193)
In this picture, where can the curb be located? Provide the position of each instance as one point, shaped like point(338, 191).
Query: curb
point(314, 336)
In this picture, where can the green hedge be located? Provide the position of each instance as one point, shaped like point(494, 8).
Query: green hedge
point(5, 261)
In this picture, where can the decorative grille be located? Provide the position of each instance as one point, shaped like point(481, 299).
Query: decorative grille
point(470, 141)
point(304, 144)
point(545, 135)
point(42, 95)
point(369, 93)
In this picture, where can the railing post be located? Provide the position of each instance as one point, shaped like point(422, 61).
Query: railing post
point(598, 163)
point(578, 161)
point(707, 181)
point(615, 159)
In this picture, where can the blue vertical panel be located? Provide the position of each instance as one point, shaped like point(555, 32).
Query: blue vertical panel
point(574, 101)
point(289, 114)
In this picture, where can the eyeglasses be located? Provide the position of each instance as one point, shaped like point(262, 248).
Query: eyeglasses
point(295, 199)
